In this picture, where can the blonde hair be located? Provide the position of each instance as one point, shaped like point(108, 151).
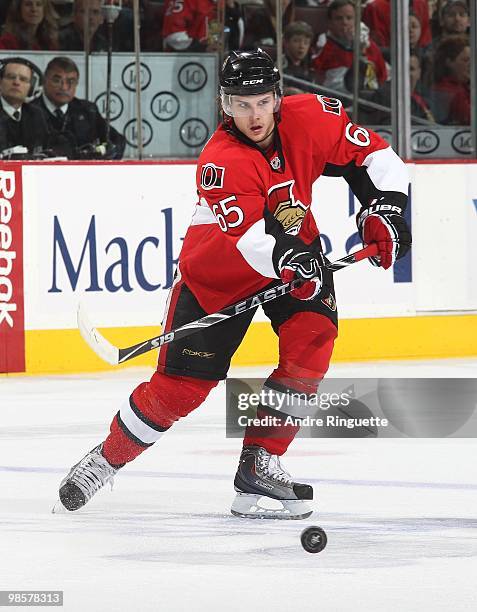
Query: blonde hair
point(47, 32)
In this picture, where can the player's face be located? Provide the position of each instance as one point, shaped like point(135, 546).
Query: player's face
point(253, 116)
point(60, 86)
point(15, 84)
point(341, 23)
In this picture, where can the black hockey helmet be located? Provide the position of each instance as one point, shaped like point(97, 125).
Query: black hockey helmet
point(249, 73)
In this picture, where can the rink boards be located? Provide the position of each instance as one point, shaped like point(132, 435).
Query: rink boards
point(109, 234)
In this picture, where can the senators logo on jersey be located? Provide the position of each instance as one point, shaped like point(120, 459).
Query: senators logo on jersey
point(212, 177)
point(330, 302)
point(285, 208)
point(330, 105)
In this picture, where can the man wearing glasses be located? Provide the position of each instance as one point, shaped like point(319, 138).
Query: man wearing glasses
point(77, 129)
point(23, 130)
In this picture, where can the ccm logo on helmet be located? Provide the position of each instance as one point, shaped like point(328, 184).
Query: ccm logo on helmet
point(252, 82)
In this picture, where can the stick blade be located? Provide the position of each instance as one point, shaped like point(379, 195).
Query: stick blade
point(102, 347)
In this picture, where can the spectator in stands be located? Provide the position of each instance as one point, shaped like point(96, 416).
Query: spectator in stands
point(297, 39)
point(415, 30)
point(451, 89)
point(193, 25)
point(377, 16)
point(260, 27)
point(77, 129)
point(454, 19)
point(419, 106)
point(21, 124)
point(30, 24)
point(184, 26)
point(336, 58)
point(423, 53)
point(72, 35)
point(187, 25)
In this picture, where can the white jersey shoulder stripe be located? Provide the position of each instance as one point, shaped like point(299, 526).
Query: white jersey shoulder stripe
point(202, 214)
point(387, 171)
point(256, 247)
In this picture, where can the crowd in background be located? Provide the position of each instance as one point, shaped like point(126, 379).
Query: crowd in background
point(318, 49)
point(318, 46)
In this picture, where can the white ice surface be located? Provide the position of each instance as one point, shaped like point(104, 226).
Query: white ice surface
point(401, 514)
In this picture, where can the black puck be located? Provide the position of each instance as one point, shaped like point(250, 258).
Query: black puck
point(313, 539)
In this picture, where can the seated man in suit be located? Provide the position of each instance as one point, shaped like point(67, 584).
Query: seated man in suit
point(77, 129)
point(23, 130)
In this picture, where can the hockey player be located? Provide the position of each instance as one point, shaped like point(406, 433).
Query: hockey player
point(252, 224)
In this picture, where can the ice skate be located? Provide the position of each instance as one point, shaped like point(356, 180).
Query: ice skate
point(84, 480)
point(265, 489)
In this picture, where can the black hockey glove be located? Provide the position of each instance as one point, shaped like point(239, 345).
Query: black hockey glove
point(382, 222)
point(302, 265)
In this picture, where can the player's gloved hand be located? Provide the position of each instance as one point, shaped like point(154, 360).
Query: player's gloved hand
point(304, 266)
point(383, 223)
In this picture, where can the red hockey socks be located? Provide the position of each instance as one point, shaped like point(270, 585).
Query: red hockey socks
point(150, 411)
point(306, 345)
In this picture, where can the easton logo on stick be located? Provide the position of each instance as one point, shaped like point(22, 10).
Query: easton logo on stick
point(260, 298)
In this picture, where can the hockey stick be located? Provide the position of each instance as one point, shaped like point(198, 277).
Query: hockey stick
point(114, 355)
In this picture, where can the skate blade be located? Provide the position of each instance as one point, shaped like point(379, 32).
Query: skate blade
point(251, 506)
point(58, 508)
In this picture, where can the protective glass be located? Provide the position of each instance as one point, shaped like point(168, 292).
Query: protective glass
point(258, 105)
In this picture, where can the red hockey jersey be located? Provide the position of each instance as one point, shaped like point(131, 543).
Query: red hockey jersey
point(187, 21)
point(227, 251)
point(377, 15)
point(334, 61)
